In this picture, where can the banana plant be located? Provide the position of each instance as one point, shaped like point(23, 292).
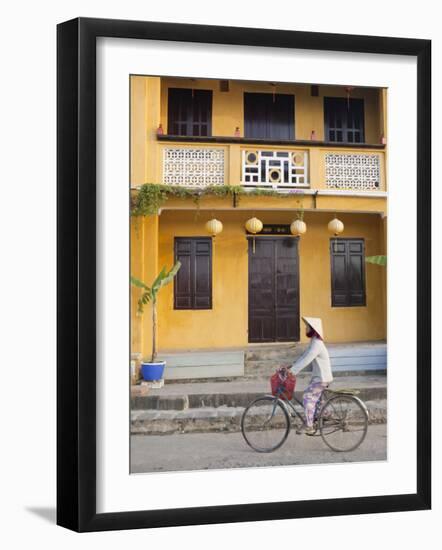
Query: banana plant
point(378, 260)
point(150, 294)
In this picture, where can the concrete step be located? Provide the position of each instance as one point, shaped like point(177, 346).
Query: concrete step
point(368, 370)
point(256, 360)
point(357, 357)
point(280, 353)
point(196, 401)
point(346, 367)
point(203, 364)
point(182, 396)
point(213, 419)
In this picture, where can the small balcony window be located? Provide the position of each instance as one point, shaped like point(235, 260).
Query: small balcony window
point(189, 112)
point(269, 116)
point(344, 119)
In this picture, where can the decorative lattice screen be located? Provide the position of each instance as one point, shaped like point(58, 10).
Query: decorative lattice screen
point(276, 169)
point(191, 167)
point(360, 172)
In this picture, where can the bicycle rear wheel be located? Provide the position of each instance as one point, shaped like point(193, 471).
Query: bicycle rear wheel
point(343, 423)
point(265, 424)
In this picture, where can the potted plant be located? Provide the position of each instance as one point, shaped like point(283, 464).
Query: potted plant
point(154, 370)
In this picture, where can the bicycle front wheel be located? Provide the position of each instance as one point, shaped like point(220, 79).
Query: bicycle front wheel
point(265, 424)
point(343, 423)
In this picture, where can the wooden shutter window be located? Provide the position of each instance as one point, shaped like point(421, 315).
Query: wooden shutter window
point(189, 112)
point(193, 282)
point(344, 119)
point(347, 272)
point(268, 116)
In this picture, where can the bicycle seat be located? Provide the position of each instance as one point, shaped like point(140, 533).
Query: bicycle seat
point(346, 391)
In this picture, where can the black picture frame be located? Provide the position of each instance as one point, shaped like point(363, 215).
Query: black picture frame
point(76, 273)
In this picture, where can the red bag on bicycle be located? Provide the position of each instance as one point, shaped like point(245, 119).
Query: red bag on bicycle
point(283, 383)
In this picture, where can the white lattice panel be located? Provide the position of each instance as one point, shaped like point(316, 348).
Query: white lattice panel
point(191, 167)
point(275, 169)
point(359, 172)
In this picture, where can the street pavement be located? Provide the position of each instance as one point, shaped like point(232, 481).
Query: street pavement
point(202, 451)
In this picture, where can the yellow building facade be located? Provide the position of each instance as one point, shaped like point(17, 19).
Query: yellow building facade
point(319, 152)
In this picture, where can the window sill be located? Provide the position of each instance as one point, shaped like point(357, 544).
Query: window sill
point(349, 307)
point(256, 141)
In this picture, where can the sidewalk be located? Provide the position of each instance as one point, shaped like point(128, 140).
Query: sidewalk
point(218, 405)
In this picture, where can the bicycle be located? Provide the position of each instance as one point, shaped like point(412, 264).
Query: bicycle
point(341, 418)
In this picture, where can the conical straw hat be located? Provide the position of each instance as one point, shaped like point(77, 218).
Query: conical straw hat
point(315, 323)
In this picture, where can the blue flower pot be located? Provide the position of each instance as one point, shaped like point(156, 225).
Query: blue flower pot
point(153, 371)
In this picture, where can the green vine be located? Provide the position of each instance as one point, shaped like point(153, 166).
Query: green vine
point(151, 197)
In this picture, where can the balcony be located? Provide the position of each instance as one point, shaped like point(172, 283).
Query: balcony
point(194, 166)
point(275, 169)
point(285, 166)
point(353, 171)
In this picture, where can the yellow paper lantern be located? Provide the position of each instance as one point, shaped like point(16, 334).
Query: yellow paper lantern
point(335, 226)
point(254, 226)
point(214, 227)
point(298, 227)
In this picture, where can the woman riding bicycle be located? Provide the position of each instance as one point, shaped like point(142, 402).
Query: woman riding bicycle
point(317, 354)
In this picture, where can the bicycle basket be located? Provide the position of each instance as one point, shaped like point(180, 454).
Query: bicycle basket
point(283, 383)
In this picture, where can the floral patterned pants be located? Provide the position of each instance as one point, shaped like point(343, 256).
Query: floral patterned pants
point(311, 396)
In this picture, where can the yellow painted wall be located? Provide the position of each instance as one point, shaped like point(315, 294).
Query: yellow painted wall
point(226, 324)
point(342, 324)
point(152, 238)
point(144, 266)
point(384, 250)
point(331, 203)
point(145, 96)
point(228, 107)
point(149, 109)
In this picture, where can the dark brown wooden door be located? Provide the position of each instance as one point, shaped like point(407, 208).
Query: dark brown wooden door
point(273, 290)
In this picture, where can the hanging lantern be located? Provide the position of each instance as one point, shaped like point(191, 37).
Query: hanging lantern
point(274, 92)
point(254, 226)
point(349, 89)
point(336, 227)
point(298, 227)
point(214, 227)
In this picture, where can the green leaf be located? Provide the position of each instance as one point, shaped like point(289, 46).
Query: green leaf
point(150, 197)
point(150, 294)
point(169, 277)
point(144, 300)
point(378, 260)
point(157, 282)
point(136, 282)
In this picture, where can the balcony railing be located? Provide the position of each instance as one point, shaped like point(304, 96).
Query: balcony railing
point(326, 167)
point(193, 167)
point(275, 168)
point(353, 171)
